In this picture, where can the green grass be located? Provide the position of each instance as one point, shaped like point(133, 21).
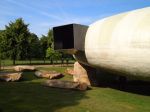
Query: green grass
point(34, 62)
point(29, 95)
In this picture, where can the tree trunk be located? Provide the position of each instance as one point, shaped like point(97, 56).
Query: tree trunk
point(52, 61)
point(30, 61)
point(0, 64)
point(14, 61)
point(67, 61)
point(56, 61)
point(29, 57)
point(14, 57)
point(44, 60)
point(62, 62)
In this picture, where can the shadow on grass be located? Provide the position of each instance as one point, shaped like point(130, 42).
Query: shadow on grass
point(28, 76)
point(28, 95)
point(133, 86)
point(32, 97)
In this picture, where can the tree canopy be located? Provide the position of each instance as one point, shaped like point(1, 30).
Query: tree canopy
point(15, 40)
point(18, 43)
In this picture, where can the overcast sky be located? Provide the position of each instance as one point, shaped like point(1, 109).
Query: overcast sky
point(42, 15)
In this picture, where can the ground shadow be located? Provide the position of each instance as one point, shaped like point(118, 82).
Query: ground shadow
point(28, 76)
point(134, 86)
point(107, 79)
point(29, 97)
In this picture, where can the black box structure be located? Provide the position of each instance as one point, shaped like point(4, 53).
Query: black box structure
point(71, 36)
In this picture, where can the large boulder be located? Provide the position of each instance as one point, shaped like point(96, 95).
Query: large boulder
point(80, 74)
point(66, 84)
point(10, 76)
point(24, 68)
point(48, 74)
point(83, 86)
point(70, 71)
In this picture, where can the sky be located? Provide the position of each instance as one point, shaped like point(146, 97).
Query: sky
point(42, 15)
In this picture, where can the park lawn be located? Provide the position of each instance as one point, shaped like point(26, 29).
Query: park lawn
point(33, 62)
point(29, 95)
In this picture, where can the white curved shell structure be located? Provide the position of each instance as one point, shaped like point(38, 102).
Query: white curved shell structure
point(121, 43)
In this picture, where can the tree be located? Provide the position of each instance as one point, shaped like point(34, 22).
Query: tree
point(3, 43)
point(50, 38)
point(15, 39)
point(52, 54)
point(0, 47)
point(33, 50)
point(3, 46)
point(46, 42)
point(44, 46)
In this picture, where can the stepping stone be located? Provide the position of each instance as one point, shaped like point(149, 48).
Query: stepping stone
point(10, 76)
point(66, 84)
point(24, 68)
point(49, 74)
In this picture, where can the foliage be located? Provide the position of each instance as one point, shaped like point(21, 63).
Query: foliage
point(3, 43)
point(18, 43)
point(34, 48)
point(15, 39)
point(46, 42)
point(52, 54)
point(44, 45)
point(50, 38)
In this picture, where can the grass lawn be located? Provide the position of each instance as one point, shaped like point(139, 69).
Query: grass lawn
point(29, 95)
point(33, 62)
